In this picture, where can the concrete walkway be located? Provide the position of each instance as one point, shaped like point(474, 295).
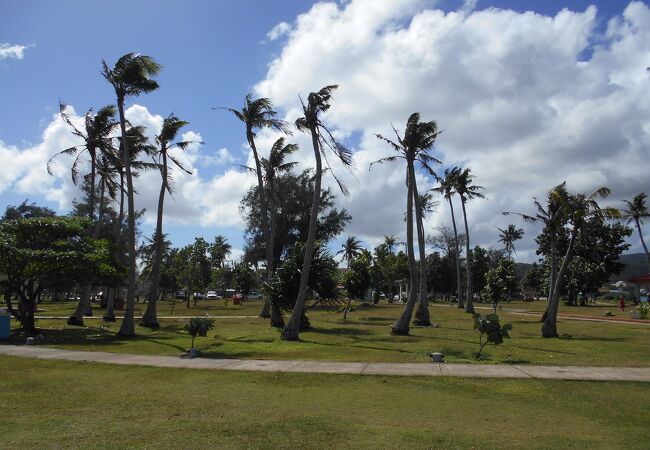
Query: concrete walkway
point(358, 368)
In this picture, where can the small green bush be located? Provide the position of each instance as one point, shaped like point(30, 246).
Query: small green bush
point(199, 326)
point(491, 329)
point(644, 310)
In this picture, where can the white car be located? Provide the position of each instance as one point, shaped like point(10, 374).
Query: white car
point(254, 296)
point(212, 295)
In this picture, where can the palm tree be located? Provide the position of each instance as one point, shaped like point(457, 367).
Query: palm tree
point(322, 139)
point(219, 251)
point(390, 242)
point(351, 248)
point(257, 114)
point(446, 187)
point(580, 208)
point(637, 211)
point(97, 139)
point(418, 139)
point(130, 77)
point(467, 191)
point(509, 236)
point(165, 142)
point(272, 166)
point(552, 216)
point(138, 145)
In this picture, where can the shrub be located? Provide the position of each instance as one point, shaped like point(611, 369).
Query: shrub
point(644, 310)
point(490, 329)
point(199, 326)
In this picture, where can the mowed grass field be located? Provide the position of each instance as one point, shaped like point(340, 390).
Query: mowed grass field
point(365, 336)
point(56, 404)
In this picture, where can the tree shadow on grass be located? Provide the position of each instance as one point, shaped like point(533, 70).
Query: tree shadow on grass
point(339, 331)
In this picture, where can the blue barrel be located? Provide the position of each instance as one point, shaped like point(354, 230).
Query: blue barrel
point(5, 325)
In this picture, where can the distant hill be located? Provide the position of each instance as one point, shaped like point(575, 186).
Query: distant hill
point(635, 265)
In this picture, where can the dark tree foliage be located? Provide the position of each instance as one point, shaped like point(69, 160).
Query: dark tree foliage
point(597, 249)
point(323, 278)
point(357, 278)
point(244, 278)
point(40, 252)
point(292, 218)
point(27, 211)
point(441, 272)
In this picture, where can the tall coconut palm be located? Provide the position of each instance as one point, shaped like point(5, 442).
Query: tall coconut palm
point(552, 217)
point(446, 188)
point(273, 166)
point(636, 212)
point(467, 191)
point(322, 140)
point(97, 140)
point(413, 147)
point(130, 77)
point(139, 147)
point(165, 142)
point(509, 236)
point(350, 249)
point(219, 251)
point(580, 209)
point(257, 114)
point(390, 242)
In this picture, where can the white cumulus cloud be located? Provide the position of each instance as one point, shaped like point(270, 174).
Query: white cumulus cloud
point(12, 51)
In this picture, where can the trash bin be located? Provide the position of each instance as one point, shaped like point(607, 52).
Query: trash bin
point(5, 326)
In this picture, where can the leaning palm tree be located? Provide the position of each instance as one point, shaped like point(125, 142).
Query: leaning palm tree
point(467, 191)
point(413, 146)
point(446, 188)
point(509, 236)
point(322, 139)
point(96, 141)
point(350, 249)
point(580, 209)
point(165, 142)
point(552, 217)
point(637, 211)
point(131, 76)
point(257, 114)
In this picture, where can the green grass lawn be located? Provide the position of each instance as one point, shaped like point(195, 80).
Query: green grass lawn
point(56, 404)
point(365, 336)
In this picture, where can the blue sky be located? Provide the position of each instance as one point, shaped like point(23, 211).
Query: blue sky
point(213, 53)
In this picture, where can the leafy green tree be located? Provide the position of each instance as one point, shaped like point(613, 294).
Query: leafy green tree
point(500, 281)
point(39, 251)
point(322, 139)
point(199, 326)
point(26, 211)
point(357, 279)
point(244, 278)
point(164, 143)
point(491, 330)
point(467, 191)
point(481, 264)
point(636, 213)
point(535, 280)
point(412, 147)
point(130, 77)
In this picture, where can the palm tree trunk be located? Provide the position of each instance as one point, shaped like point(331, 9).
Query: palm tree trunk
point(422, 317)
point(469, 305)
point(292, 328)
point(109, 315)
point(277, 320)
point(458, 282)
point(150, 317)
point(645, 249)
point(549, 327)
point(401, 325)
point(128, 324)
point(553, 275)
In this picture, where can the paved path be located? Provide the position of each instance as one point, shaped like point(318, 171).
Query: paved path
point(559, 316)
point(359, 368)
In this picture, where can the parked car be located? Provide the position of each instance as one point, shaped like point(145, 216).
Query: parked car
point(180, 295)
point(198, 296)
point(212, 295)
point(254, 296)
